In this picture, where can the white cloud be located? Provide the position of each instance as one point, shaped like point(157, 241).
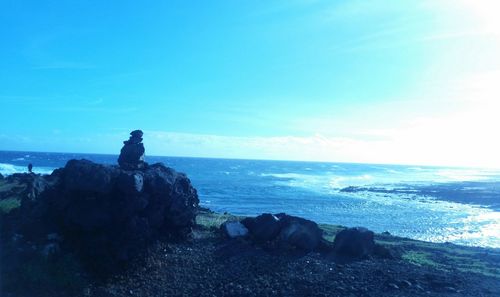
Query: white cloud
point(315, 147)
point(482, 14)
point(423, 142)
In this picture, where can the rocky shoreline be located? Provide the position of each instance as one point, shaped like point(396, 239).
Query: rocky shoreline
point(208, 265)
point(190, 251)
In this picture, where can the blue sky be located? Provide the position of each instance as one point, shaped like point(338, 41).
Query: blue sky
point(413, 82)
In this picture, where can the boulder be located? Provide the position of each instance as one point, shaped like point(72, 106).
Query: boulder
point(233, 229)
point(285, 229)
point(264, 227)
point(299, 232)
point(354, 243)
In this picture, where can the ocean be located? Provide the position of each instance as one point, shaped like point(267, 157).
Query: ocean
point(437, 204)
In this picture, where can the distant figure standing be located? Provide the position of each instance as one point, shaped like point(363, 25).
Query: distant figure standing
point(30, 168)
point(132, 153)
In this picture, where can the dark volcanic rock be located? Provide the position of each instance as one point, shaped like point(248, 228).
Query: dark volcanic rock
point(354, 242)
point(107, 215)
point(233, 229)
point(263, 228)
point(87, 176)
point(285, 229)
point(299, 232)
point(130, 182)
point(132, 153)
point(35, 184)
point(170, 192)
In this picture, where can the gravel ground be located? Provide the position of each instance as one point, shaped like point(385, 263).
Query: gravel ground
point(209, 265)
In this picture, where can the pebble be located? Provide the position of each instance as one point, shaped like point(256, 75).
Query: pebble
point(405, 283)
point(450, 289)
point(393, 286)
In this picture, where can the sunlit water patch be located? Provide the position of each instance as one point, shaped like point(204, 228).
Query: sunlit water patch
point(405, 202)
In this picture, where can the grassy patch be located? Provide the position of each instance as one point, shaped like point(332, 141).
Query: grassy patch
point(209, 219)
point(6, 186)
point(467, 263)
point(10, 195)
point(419, 258)
point(6, 205)
point(329, 231)
point(448, 257)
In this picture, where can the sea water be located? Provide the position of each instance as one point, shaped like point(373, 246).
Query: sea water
point(438, 204)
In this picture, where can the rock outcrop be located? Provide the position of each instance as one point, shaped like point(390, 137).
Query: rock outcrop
point(32, 185)
point(106, 214)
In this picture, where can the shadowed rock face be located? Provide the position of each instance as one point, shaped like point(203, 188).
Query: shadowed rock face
point(354, 242)
point(263, 228)
point(106, 214)
point(299, 232)
point(291, 230)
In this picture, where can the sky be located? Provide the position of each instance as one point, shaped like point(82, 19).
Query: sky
point(397, 82)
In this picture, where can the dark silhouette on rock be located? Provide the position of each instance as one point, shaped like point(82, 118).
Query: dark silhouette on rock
point(107, 215)
point(354, 243)
point(30, 168)
point(132, 152)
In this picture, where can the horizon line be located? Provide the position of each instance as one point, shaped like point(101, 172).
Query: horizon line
point(265, 160)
